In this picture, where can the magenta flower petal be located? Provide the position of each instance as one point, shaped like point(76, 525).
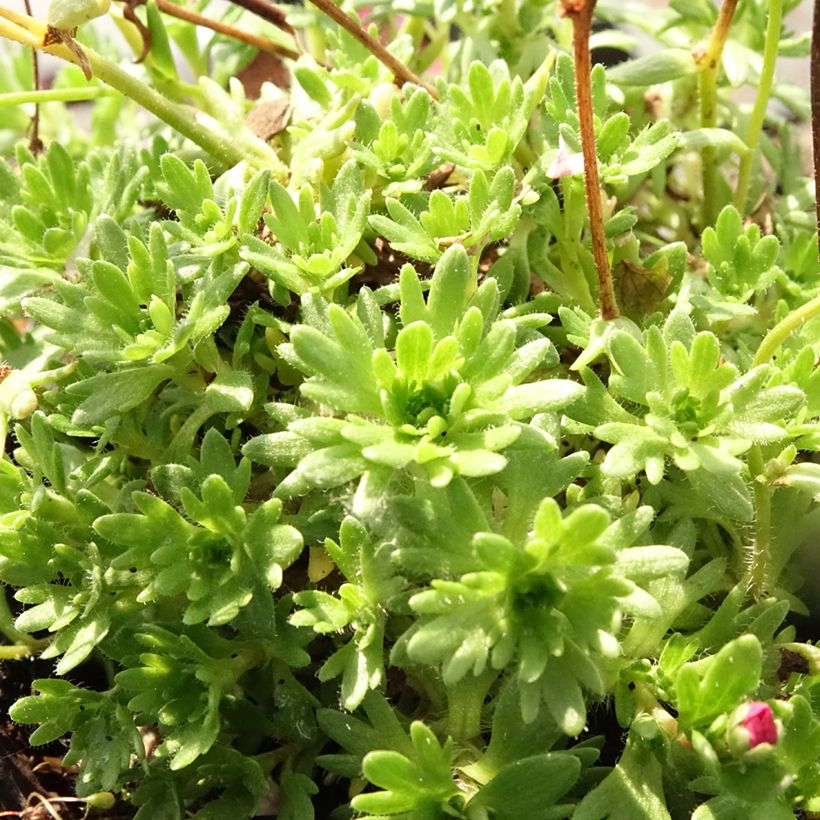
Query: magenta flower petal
point(759, 723)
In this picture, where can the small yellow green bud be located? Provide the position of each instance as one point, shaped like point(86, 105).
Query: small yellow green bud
point(66, 15)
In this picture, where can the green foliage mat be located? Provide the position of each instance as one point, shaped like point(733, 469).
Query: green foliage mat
point(328, 464)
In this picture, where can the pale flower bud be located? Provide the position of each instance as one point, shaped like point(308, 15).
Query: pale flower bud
point(17, 399)
point(566, 163)
point(23, 404)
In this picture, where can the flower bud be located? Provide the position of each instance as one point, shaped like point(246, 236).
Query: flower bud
point(23, 404)
point(68, 14)
point(100, 800)
point(752, 724)
point(17, 399)
point(381, 98)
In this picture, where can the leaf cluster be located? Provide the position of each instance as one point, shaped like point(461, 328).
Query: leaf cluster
point(326, 463)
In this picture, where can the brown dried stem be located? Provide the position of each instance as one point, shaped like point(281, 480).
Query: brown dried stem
point(130, 14)
point(263, 9)
point(400, 71)
point(580, 12)
point(262, 43)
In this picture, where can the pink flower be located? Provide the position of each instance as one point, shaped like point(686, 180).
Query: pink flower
point(759, 723)
point(566, 163)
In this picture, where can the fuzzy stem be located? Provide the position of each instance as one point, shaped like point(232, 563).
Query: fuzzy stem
point(7, 628)
point(44, 95)
point(710, 59)
point(764, 90)
point(580, 11)
point(815, 105)
point(465, 703)
point(783, 329)
point(758, 565)
point(181, 119)
point(399, 70)
point(22, 643)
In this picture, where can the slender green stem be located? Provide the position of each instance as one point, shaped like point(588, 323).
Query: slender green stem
point(15, 651)
point(225, 151)
point(35, 144)
point(710, 59)
point(435, 48)
point(414, 27)
point(7, 628)
point(784, 328)
point(508, 18)
point(183, 440)
point(759, 563)
point(270, 760)
point(764, 90)
point(465, 703)
point(44, 95)
point(178, 117)
point(23, 28)
point(22, 644)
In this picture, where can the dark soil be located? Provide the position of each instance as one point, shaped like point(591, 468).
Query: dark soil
point(33, 780)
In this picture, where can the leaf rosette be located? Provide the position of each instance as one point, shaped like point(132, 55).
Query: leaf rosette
point(551, 608)
point(687, 405)
point(447, 398)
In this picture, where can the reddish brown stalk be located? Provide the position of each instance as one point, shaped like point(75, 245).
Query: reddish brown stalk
point(815, 105)
point(263, 9)
point(262, 43)
point(399, 70)
point(580, 12)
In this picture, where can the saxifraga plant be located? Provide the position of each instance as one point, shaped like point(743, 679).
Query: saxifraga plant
point(432, 439)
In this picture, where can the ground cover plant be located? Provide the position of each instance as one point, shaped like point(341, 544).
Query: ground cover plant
point(429, 432)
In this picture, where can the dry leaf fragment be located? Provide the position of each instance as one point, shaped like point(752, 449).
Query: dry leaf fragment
point(268, 118)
